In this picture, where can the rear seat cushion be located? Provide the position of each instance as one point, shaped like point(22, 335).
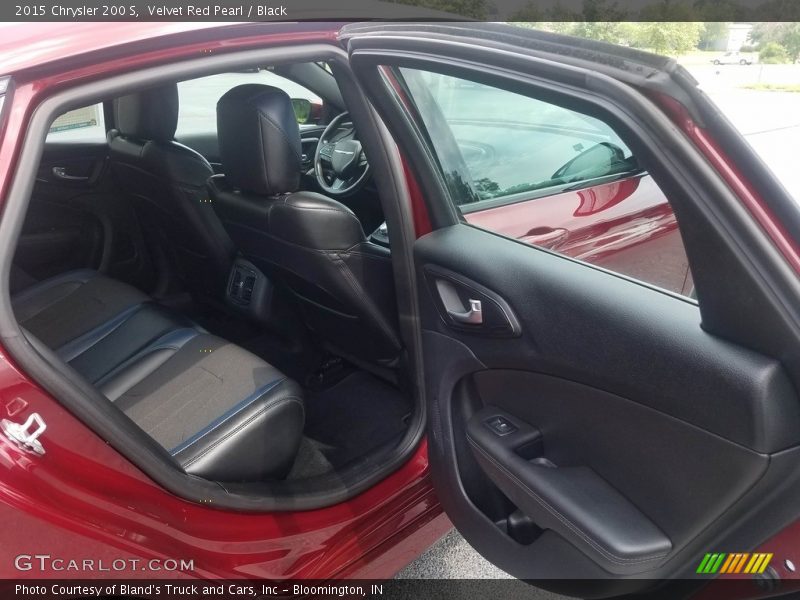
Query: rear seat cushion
point(59, 309)
point(222, 412)
point(18, 279)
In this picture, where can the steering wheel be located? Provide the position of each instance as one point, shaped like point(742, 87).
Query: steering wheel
point(339, 162)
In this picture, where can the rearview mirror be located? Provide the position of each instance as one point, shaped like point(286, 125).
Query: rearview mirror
point(302, 109)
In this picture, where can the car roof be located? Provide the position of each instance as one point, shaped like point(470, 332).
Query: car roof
point(25, 46)
point(29, 45)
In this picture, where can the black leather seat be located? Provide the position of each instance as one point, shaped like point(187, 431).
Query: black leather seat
point(312, 244)
point(222, 413)
point(166, 182)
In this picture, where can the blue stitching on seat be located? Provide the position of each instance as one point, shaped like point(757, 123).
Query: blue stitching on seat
point(72, 350)
point(79, 276)
point(172, 340)
point(232, 412)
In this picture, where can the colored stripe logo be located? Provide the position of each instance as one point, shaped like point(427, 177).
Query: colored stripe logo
point(737, 562)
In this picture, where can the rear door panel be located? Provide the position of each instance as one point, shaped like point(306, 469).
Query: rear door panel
point(59, 233)
point(589, 427)
point(623, 387)
point(78, 218)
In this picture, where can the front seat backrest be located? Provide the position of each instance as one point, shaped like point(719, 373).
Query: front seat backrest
point(166, 182)
point(310, 243)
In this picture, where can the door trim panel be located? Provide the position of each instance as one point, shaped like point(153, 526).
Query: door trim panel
point(618, 377)
point(592, 327)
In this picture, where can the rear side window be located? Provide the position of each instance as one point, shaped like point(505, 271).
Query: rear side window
point(85, 124)
point(513, 145)
point(547, 175)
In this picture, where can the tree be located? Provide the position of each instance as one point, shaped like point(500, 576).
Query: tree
point(528, 15)
point(667, 38)
point(561, 14)
point(791, 40)
point(597, 20)
point(763, 33)
point(473, 9)
point(663, 38)
point(602, 11)
point(786, 35)
point(669, 10)
point(773, 53)
point(777, 10)
point(723, 10)
point(604, 31)
point(712, 34)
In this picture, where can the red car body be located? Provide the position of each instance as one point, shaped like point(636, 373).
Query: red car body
point(626, 226)
point(84, 499)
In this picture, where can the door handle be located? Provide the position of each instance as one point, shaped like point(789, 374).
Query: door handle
point(467, 306)
point(473, 316)
point(61, 173)
point(544, 236)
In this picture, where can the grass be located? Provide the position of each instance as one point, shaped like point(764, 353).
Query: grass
point(773, 87)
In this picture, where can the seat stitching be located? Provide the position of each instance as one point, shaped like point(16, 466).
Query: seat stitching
point(263, 155)
point(347, 213)
point(285, 136)
point(272, 386)
point(272, 404)
point(368, 255)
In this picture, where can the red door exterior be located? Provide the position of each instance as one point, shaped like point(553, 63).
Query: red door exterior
point(626, 226)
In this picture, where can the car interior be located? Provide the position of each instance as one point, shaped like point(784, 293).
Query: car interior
point(249, 304)
point(233, 295)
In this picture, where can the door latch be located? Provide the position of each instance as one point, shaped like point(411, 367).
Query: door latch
point(22, 434)
point(61, 173)
point(473, 316)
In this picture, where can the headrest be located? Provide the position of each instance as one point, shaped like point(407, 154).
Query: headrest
point(150, 114)
point(259, 140)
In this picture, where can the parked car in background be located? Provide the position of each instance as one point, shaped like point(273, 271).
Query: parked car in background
point(736, 58)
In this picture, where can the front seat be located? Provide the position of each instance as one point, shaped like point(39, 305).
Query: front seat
point(311, 244)
point(166, 182)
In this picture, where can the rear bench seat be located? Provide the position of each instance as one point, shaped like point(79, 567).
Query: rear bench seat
point(223, 413)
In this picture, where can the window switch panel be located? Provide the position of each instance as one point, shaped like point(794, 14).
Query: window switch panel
point(500, 425)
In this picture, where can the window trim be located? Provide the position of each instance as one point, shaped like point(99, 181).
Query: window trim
point(552, 190)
